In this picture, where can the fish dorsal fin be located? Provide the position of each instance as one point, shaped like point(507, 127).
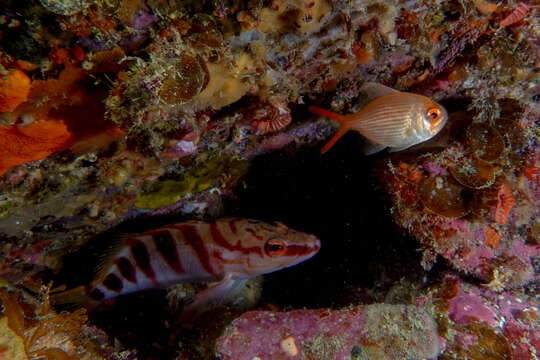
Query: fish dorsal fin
point(107, 256)
point(369, 92)
point(374, 90)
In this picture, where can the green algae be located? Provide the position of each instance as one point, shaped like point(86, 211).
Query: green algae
point(211, 170)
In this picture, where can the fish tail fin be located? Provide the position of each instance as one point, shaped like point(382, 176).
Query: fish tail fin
point(334, 139)
point(332, 115)
point(343, 120)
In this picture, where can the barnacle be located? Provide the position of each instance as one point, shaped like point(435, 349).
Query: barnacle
point(188, 77)
point(203, 32)
point(485, 142)
point(474, 173)
point(443, 197)
point(484, 201)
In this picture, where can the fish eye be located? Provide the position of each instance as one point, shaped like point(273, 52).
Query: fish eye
point(274, 247)
point(433, 115)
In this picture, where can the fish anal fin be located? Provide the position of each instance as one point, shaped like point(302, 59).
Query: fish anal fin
point(400, 148)
point(223, 292)
point(370, 148)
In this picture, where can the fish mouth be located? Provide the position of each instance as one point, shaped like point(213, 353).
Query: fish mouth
point(317, 245)
point(314, 248)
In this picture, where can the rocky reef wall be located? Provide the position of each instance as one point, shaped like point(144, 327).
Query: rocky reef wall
point(121, 115)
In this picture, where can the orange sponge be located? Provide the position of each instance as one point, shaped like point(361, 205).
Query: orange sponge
point(22, 144)
point(14, 90)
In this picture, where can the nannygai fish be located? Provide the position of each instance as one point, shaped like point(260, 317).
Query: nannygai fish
point(229, 250)
point(390, 118)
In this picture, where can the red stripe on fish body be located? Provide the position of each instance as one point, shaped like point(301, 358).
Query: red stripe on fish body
point(244, 251)
point(198, 250)
point(196, 236)
point(146, 266)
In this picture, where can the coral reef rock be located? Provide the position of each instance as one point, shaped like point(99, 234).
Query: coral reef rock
point(378, 331)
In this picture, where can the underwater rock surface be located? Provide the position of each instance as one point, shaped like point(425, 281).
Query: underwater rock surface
point(377, 331)
point(452, 320)
point(125, 115)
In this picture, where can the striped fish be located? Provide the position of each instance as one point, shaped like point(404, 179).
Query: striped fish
point(229, 250)
point(391, 118)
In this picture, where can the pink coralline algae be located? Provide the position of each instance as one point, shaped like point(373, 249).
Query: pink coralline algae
point(467, 306)
point(434, 169)
point(474, 203)
point(378, 331)
point(477, 317)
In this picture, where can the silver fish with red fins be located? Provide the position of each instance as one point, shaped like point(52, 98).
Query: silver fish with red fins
point(390, 118)
point(229, 250)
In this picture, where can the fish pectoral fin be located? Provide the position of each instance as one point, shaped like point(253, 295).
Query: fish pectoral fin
point(370, 148)
point(221, 293)
point(72, 299)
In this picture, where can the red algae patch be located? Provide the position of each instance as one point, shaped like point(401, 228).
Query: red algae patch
point(22, 144)
point(505, 203)
point(492, 237)
point(14, 90)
